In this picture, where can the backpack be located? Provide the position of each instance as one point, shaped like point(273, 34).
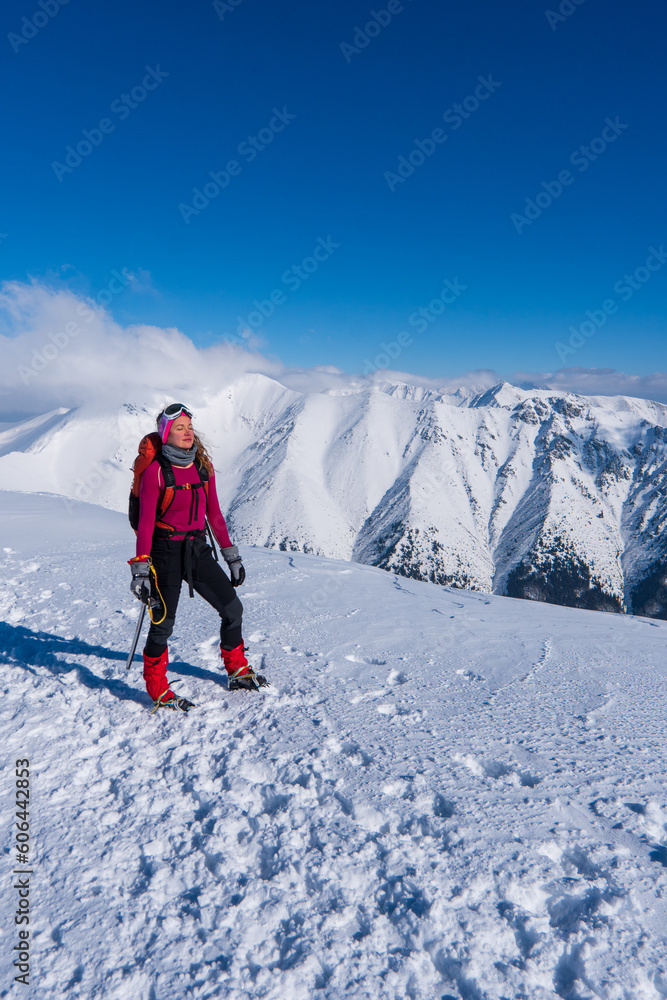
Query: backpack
point(150, 450)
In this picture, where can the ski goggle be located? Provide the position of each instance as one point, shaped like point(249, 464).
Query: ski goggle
point(169, 414)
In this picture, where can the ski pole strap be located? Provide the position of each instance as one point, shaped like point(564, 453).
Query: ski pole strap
point(151, 605)
point(212, 540)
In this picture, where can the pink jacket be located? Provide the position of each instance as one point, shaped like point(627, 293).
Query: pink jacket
point(181, 513)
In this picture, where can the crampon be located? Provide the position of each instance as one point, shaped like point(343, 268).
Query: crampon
point(245, 679)
point(171, 700)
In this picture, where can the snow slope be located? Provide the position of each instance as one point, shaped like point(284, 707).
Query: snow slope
point(529, 493)
point(442, 794)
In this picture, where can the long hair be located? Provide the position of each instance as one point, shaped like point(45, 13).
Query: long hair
point(202, 457)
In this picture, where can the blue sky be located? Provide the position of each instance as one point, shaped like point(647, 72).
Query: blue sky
point(333, 110)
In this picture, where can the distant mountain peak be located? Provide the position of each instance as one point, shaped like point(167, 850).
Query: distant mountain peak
point(545, 495)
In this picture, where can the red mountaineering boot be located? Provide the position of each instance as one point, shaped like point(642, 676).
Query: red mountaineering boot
point(240, 673)
point(157, 685)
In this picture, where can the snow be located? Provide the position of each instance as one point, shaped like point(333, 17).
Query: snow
point(442, 793)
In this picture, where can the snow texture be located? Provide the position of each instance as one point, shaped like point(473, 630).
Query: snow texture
point(443, 794)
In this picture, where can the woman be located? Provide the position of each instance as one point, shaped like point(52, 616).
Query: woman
point(172, 547)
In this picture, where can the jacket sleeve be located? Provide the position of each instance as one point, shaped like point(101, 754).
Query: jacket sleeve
point(214, 514)
point(148, 499)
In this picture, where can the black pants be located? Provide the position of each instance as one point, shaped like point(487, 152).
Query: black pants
point(170, 559)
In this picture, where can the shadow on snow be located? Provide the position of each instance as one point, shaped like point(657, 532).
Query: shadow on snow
point(21, 647)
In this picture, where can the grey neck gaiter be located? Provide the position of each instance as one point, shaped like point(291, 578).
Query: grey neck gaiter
point(179, 456)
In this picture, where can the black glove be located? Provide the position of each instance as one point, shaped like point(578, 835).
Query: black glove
point(141, 580)
point(235, 563)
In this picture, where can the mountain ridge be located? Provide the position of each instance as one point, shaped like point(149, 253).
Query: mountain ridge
point(525, 492)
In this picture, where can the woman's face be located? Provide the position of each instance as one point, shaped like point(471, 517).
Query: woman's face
point(181, 434)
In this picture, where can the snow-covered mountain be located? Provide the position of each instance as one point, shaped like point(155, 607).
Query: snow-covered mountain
point(529, 493)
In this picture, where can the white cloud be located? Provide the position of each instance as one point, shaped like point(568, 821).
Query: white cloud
point(479, 378)
point(58, 348)
point(598, 382)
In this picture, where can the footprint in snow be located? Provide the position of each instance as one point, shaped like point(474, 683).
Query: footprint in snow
point(442, 807)
point(496, 769)
point(469, 675)
point(355, 754)
point(397, 677)
point(645, 821)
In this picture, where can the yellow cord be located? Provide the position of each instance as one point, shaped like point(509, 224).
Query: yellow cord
point(150, 610)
